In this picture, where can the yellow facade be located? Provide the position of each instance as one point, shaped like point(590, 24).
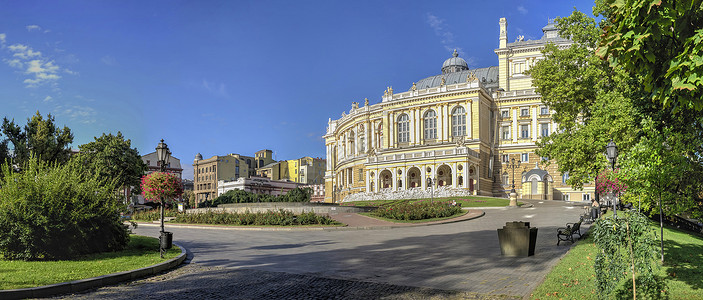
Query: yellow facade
point(458, 130)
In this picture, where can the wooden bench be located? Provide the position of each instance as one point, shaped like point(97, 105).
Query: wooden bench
point(567, 233)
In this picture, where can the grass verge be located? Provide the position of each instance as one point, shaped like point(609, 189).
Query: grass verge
point(467, 201)
point(574, 276)
point(141, 252)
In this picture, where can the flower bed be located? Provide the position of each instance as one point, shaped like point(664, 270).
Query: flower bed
point(277, 218)
point(419, 210)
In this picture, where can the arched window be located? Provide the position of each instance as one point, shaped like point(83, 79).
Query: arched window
point(403, 129)
point(459, 121)
point(430, 125)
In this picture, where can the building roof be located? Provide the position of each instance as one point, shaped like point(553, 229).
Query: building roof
point(487, 76)
point(454, 64)
point(551, 34)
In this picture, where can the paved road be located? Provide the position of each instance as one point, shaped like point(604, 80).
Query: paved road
point(456, 260)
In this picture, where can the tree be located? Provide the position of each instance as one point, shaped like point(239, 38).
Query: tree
point(40, 137)
point(112, 157)
point(661, 41)
point(591, 102)
point(189, 197)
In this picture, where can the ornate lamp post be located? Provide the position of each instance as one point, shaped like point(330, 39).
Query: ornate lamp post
point(513, 194)
point(612, 152)
point(163, 155)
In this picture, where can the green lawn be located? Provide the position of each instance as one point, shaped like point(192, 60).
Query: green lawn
point(467, 201)
point(141, 252)
point(574, 276)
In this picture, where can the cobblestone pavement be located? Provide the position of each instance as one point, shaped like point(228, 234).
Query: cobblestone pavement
point(193, 281)
point(448, 261)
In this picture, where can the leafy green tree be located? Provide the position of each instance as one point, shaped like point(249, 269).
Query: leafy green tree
point(660, 41)
point(626, 265)
point(591, 102)
point(40, 136)
point(189, 197)
point(113, 158)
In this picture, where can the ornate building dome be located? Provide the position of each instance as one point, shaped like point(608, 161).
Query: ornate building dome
point(198, 157)
point(454, 64)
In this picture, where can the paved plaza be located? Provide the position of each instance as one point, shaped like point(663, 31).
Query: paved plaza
point(458, 260)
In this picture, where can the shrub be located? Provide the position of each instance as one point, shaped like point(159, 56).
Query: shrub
point(153, 215)
point(58, 212)
point(239, 196)
point(420, 210)
point(280, 218)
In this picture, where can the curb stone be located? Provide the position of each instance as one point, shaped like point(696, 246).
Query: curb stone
point(91, 283)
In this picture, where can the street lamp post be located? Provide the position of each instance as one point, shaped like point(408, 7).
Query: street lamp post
point(513, 194)
point(163, 155)
point(612, 152)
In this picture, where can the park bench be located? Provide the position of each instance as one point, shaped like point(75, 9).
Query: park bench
point(567, 233)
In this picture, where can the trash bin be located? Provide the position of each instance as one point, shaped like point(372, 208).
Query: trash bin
point(166, 239)
point(517, 239)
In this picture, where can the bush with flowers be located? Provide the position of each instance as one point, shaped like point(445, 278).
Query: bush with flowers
point(610, 182)
point(420, 210)
point(158, 185)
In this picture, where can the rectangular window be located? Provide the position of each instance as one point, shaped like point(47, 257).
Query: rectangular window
point(361, 174)
point(525, 157)
point(564, 177)
point(586, 197)
point(525, 131)
point(566, 197)
point(505, 114)
point(505, 158)
point(506, 132)
point(524, 112)
point(545, 129)
point(544, 110)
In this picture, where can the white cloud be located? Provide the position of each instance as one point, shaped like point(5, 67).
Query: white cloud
point(33, 63)
point(440, 29)
point(48, 99)
point(43, 72)
point(30, 28)
point(23, 51)
point(15, 63)
point(2, 38)
point(83, 114)
point(219, 90)
point(109, 60)
point(522, 10)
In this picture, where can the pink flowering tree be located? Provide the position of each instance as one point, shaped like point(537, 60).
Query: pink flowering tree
point(161, 185)
point(610, 182)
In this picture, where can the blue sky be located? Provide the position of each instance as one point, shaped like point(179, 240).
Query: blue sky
point(220, 77)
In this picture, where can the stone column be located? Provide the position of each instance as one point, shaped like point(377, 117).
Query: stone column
point(454, 174)
point(516, 130)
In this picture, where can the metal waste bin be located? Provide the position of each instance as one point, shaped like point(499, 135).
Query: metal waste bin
point(166, 239)
point(517, 239)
